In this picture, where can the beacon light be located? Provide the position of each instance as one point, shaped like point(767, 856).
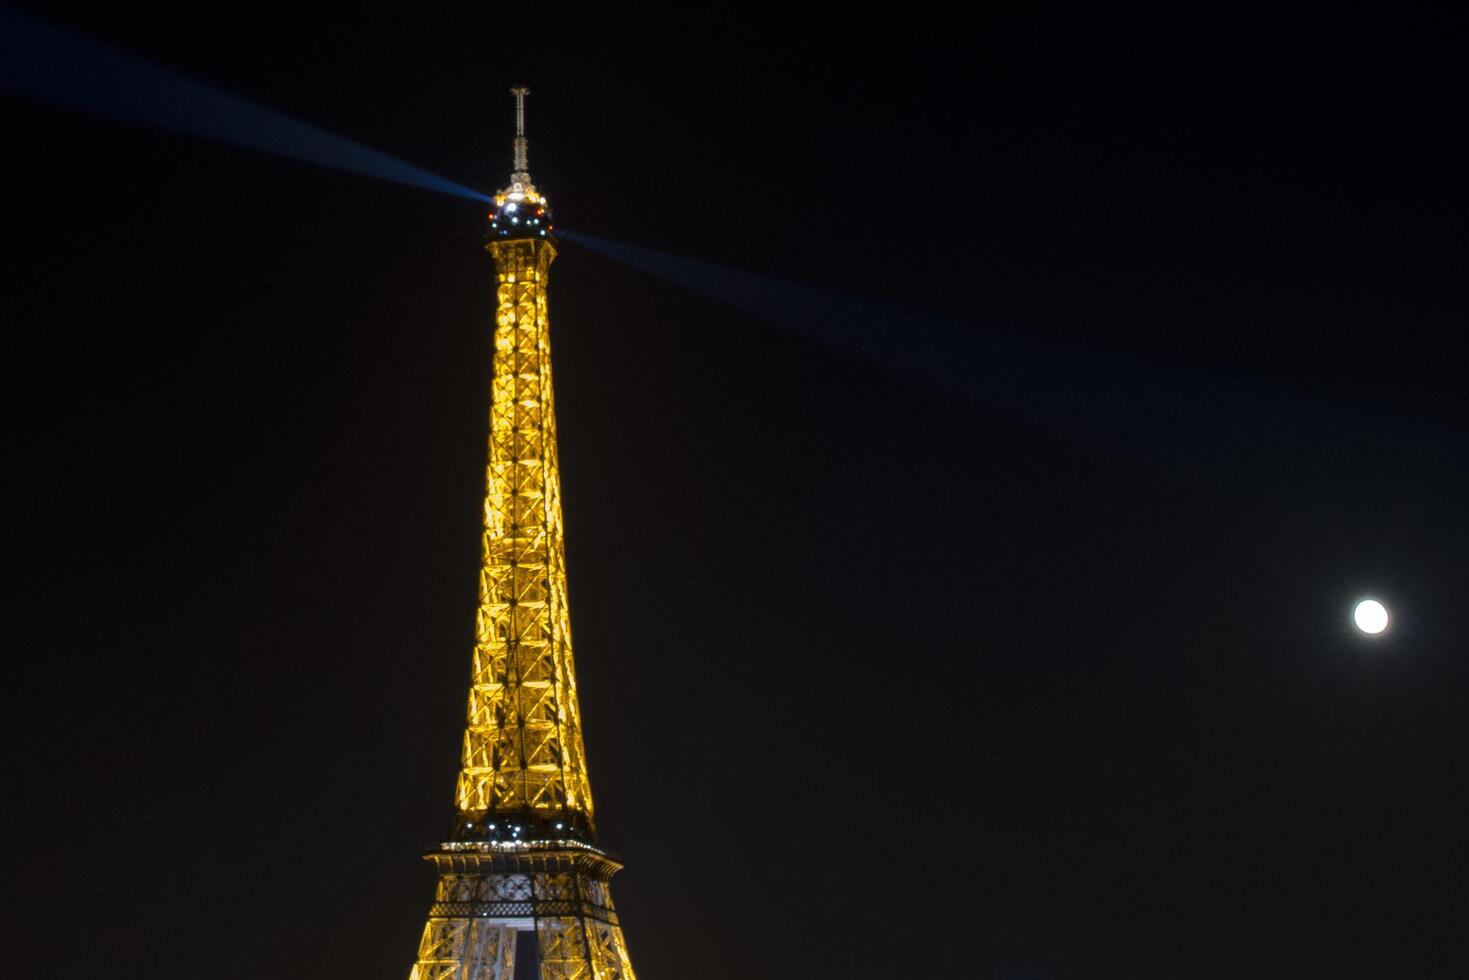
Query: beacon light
point(1370, 616)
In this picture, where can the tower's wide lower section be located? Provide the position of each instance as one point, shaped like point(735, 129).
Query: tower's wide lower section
point(490, 895)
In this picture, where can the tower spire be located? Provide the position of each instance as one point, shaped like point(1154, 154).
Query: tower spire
point(522, 172)
point(520, 189)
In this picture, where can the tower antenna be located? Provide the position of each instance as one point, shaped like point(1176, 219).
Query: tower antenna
point(522, 172)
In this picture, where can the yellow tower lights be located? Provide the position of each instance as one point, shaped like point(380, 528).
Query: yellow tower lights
point(522, 859)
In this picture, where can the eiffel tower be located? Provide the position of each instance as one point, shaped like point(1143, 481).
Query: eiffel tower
point(521, 876)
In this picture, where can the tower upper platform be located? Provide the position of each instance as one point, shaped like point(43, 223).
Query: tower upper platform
point(520, 210)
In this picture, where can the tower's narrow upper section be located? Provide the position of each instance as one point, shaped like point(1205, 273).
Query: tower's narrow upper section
point(520, 210)
point(523, 776)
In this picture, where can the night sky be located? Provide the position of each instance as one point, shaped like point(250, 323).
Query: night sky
point(880, 676)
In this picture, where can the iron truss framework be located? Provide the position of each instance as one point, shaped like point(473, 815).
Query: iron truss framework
point(485, 899)
point(522, 857)
point(523, 745)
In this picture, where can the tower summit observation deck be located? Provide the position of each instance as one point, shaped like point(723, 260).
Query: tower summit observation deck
point(521, 875)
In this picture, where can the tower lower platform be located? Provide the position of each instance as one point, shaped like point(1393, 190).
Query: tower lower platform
point(491, 894)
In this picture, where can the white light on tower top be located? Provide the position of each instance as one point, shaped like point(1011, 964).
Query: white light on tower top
point(1370, 616)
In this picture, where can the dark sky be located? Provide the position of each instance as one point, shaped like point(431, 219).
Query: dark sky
point(877, 680)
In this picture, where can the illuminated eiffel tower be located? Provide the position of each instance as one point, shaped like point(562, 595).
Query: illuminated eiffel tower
point(521, 875)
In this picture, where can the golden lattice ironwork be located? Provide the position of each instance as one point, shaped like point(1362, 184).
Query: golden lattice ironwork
point(489, 895)
point(522, 869)
point(523, 744)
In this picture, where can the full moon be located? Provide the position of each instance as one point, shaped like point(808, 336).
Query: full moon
point(1370, 616)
